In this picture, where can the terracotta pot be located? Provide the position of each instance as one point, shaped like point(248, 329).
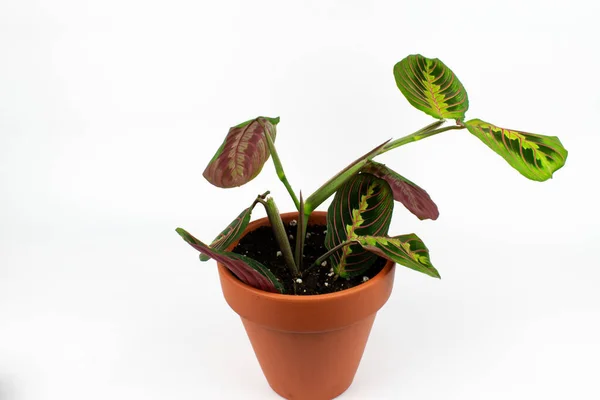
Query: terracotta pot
point(308, 347)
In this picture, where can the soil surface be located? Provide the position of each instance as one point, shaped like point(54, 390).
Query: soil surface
point(262, 246)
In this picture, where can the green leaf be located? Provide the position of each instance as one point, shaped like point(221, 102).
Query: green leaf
point(242, 154)
point(233, 231)
point(362, 206)
point(535, 156)
point(406, 250)
point(415, 199)
point(246, 269)
point(431, 87)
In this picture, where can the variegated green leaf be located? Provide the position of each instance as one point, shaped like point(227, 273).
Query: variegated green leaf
point(233, 231)
point(242, 154)
point(362, 206)
point(406, 250)
point(535, 156)
point(431, 87)
point(246, 269)
point(415, 199)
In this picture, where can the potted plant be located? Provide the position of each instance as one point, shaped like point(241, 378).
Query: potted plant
point(307, 284)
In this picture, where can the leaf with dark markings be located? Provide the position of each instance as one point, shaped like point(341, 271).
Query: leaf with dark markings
point(246, 269)
point(362, 206)
point(406, 250)
point(242, 154)
point(233, 231)
point(535, 156)
point(431, 87)
point(414, 198)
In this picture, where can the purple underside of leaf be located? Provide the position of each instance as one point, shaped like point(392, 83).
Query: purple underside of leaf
point(242, 154)
point(413, 197)
point(237, 264)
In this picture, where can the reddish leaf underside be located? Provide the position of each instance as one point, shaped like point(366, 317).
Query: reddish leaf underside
point(413, 197)
point(246, 269)
point(242, 154)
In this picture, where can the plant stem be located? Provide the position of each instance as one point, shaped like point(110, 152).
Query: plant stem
point(418, 135)
point(280, 234)
point(300, 235)
point(333, 250)
point(333, 184)
point(279, 167)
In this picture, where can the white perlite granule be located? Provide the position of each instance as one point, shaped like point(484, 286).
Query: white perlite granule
point(279, 254)
point(298, 280)
point(293, 222)
point(365, 278)
point(324, 264)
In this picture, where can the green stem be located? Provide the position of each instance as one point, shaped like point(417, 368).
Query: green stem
point(333, 250)
point(418, 135)
point(280, 235)
point(300, 235)
point(279, 167)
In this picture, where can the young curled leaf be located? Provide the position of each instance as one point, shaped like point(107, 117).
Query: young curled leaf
point(362, 206)
point(406, 250)
point(242, 154)
point(535, 156)
point(430, 86)
point(415, 199)
point(246, 269)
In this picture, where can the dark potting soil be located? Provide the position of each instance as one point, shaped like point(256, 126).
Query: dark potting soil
point(261, 245)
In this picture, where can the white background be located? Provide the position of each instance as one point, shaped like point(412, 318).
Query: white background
point(110, 110)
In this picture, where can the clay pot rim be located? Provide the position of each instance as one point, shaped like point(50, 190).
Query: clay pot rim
point(295, 298)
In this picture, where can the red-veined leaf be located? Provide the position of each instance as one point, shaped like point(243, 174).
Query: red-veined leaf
point(431, 87)
point(362, 206)
point(246, 269)
point(406, 250)
point(414, 198)
point(242, 154)
point(234, 230)
point(535, 156)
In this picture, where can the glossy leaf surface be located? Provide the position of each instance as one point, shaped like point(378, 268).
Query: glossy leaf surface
point(242, 154)
point(406, 250)
point(246, 269)
point(535, 156)
point(362, 206)
point(430, 86)
point(413, 197)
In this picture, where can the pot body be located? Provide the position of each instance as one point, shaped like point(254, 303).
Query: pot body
point(309, 347)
